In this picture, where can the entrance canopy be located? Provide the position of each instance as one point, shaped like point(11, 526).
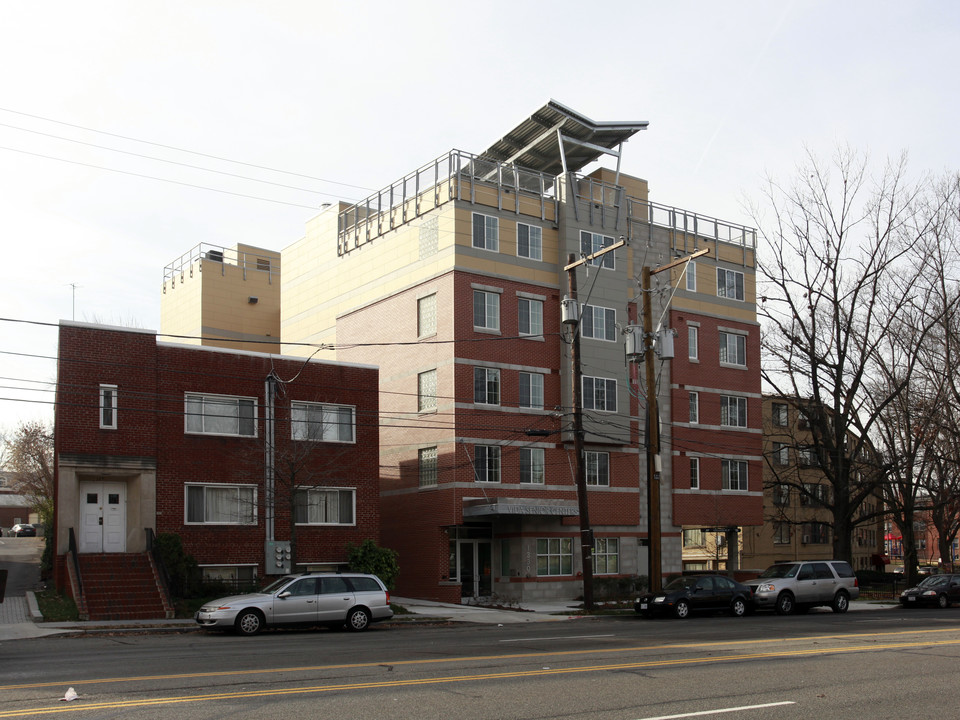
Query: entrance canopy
point(513, 506)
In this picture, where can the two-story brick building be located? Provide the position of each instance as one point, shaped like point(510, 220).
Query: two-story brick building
point(239, 453)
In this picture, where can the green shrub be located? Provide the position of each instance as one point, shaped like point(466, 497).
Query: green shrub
point(368, 557)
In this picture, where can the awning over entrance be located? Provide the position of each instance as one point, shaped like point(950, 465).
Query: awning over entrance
point(518, 506)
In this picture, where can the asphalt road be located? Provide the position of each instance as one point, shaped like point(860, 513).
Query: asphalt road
point(21, 558)
point(876, 664)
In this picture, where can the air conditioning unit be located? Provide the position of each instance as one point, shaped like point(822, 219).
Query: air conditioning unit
point(805, 540)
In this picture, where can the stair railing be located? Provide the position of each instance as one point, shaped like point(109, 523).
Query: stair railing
point(72, 547)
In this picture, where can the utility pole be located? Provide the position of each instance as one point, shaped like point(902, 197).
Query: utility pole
point(586, 533)
point(654, 544)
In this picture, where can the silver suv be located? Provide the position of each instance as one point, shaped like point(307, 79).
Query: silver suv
point(789, 587)
point(335, 600)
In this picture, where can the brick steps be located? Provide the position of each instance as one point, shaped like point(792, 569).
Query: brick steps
point(121, 586)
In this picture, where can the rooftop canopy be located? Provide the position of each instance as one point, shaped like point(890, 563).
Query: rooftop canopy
point(557, 139)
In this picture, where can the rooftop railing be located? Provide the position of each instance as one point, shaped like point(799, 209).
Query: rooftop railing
point(222, 257)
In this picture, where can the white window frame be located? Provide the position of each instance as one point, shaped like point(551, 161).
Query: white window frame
point(108, 407)
point(606, 556)
point(735, 343)
point(693, 343)
point(597, 468)
point(332, 431)
point(487, 469)
point(490, 239)
point(193, 415)
point(486, 386)
point(694, 473)
point(534, 241)
point(241, 503)
point(491, 310)
point(598, 323)
point(554, 557)
point(733, 475)
point(694, 407)
point(599, 394)
point(532, 384)
point(591, 242)
point(427, 391)
point(427, 315)
point(733, 411)
point(532, 468)
point(691, 276)
point(341, 493)
point(427, 462)
point(534, 317)
point(730, 284)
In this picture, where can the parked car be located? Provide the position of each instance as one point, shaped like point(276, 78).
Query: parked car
point(334, 600)
point(693, 593)
point(935, 590)
point(789, 587)
point(23, 530)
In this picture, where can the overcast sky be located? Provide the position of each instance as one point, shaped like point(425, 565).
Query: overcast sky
point(348, 97)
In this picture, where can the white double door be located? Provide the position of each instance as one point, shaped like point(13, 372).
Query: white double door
point(103, 517)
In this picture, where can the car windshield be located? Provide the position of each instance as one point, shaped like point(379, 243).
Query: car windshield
point(276, 585)
point(679, 584)
point(784, 570)
point(933, 581)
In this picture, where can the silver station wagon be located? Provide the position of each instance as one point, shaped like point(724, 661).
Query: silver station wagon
point(351, 599)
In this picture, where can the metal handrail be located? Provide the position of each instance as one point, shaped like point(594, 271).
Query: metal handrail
point(72, 547)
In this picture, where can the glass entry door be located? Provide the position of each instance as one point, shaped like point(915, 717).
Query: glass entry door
point(474, 568)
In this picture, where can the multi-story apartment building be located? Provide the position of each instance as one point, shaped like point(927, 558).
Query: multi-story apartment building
point(261, 464)
point(451, 280)
point(797, 523)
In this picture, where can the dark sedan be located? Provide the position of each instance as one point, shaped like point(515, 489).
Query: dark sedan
point(935, 590)
point(694, 593)
point(23, 530)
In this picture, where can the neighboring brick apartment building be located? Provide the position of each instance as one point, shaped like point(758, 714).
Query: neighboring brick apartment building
point(797, 524)
point(171, 438)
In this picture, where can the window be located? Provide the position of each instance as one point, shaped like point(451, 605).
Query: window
point(807, 456)
point(530, 316)
point(781, 533)
point(694, 473)
point(729, 284)
point(529, 241)
point(781, 454)
point(606, 556)
point(427, 391)
point(694, 407)
point(221, 504)
point(733, 411)
point(486, 232)
point(236, 575)
point(599, 323)
point(781, 495)
point(599, 394)
point(108, 407)
point(733, 348)
point(733, 474)
point(486, 463)
point(427, 316)
point(531, 465)
point(327, 423)
point(220, 415)
point(486, 386)
point(324, 506)
point(691, 276)
point(594, 242)
point(693, 342)
point(531, 390)
point(816, 533)
point(815, 495)
point(486, 310)
point(597, 468)
point(694, 537)
point(778, 412)
point(428, 467)
point(554, 556)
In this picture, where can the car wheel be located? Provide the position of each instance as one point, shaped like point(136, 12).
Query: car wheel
point(841, 602)
point(682, 609)
point(358, 619)
point(785, 604)
point(738, 608)
point(943, 601)
point(249, 622)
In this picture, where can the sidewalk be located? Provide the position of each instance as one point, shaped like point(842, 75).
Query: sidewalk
point(20, 618)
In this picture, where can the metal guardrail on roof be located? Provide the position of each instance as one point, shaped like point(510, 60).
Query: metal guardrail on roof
point(261, 261)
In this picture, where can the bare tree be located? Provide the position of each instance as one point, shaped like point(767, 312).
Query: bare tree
point(840, 258)
point(29, 455)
